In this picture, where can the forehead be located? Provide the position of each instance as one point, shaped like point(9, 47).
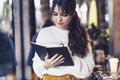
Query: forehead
point(58, 9)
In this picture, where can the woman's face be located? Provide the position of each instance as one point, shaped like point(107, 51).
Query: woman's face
point(61, 19)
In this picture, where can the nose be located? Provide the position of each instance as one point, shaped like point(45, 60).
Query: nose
point(59, 18)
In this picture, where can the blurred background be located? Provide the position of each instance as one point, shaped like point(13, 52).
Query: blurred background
point(22, 19)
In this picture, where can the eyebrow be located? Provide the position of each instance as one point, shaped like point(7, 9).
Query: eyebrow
point(61, 12)
point(54, 11)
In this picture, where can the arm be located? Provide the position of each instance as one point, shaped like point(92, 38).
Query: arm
point(83, 67)
point(37, 62)
point(38, 66)
point(87, 63)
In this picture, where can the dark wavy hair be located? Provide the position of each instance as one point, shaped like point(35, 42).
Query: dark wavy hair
point(77, 35)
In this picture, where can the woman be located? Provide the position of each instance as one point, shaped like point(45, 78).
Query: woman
point(66, 31)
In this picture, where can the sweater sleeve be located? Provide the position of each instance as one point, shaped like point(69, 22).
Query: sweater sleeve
point(86, 67)
point(87, 64)
point(37, 66)
point(37, 62)
point(41, 37)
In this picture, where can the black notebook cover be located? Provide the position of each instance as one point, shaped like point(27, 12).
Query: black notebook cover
point(42, 52)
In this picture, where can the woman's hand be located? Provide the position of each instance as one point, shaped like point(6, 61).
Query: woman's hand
point(53, 61)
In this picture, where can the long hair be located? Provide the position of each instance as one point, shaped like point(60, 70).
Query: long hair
point(77, 35)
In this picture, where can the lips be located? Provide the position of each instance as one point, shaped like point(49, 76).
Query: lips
point(60, 23)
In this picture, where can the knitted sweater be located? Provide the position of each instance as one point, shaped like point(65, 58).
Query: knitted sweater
point(52, 37)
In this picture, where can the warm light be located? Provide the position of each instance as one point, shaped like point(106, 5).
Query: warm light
point(93, 17)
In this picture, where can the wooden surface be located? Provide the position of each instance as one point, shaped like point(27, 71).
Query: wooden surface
point(114, 25)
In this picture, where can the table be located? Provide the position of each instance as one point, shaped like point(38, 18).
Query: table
point(106, 75)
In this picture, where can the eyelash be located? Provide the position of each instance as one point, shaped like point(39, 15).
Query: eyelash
point(63, 14)
point(55, 14)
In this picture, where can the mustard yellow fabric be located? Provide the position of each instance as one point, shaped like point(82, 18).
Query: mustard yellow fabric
point(65, 77)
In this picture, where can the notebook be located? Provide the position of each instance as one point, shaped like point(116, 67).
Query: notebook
point(42, 52)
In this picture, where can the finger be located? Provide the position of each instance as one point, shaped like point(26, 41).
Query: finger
point(57, 63)
point(53, 58)
point(57, 59)
point(61, 59)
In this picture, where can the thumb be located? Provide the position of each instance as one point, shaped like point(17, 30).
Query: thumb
point(46, 57)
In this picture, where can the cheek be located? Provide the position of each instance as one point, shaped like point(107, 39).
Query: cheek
point(68, 20)
point(54, 19)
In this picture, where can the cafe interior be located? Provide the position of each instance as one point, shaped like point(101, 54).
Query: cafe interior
point(22, 19)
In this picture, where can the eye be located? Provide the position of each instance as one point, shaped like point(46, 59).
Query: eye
point(64, 14)
point(54, 13)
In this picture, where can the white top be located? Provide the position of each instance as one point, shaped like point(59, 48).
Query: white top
point(52, 37)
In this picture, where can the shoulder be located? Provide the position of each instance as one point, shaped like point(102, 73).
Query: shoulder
point(46, 31)
point(44, 34)
point(46, 28)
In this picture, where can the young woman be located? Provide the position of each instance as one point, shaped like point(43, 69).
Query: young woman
point(66, 31)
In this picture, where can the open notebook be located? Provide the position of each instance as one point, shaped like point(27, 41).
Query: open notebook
point(42, 52)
